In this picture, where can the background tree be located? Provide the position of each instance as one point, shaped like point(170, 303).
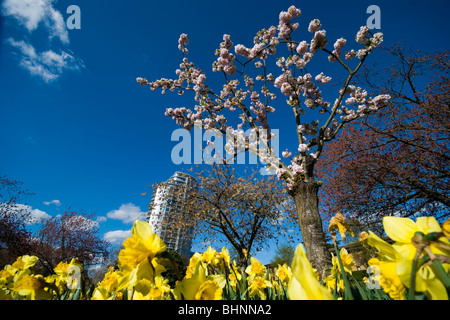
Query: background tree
point(15, 239)
point(247, 211)
point(284, 253)
point(72, 235)
point(248, 94)
point(396, 162)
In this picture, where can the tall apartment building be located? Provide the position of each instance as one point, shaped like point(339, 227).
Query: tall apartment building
point(166, 206)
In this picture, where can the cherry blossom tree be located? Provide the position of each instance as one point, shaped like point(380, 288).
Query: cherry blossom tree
point(248, 101)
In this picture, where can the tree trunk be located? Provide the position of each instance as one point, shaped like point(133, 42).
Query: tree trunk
point(307, 204)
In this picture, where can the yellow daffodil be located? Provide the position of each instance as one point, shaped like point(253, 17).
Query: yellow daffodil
point(137, 258)
point(255, 269)
point(225, 256)
point(234, 275)
point(330, 282)
point(386, 250)
point(209, 290)
point(67, 275)
point(363, 236)
point(257, 286)
point(446, 228)
point(198, 286)
point(338, 222)
point(388, 278)
point(427, 280)
point(196, 258)
point(157, 289)
point(32, 287)
point(403, 230)
point(284, 273)
point(347, 261)
point(23, 263)
point(101, 294)
point(142, 246)
point(5, 276)
point(304, 284)
point(210, 256)
point(112, 280)
point(334, 280)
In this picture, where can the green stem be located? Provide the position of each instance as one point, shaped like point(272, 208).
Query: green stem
point(412, 281)
point(347, 293)
point(445, 277)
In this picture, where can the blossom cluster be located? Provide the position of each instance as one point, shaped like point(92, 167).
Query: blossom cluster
point(251, 96)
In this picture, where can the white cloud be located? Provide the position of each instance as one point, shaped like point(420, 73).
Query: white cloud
point(101, 219)
point(47, 65)
point(117, 236)
point(38, 216)
point(55, 202)
point(33, 216)
point(127, 213)
point(32, 13)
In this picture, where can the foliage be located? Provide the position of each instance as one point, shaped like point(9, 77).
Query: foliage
point(284, 253)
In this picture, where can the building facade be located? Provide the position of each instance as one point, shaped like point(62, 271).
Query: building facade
point(167, 208)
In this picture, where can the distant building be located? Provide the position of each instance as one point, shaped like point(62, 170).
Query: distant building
point(166, 206)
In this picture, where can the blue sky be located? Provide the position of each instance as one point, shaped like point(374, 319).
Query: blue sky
point(77, 128)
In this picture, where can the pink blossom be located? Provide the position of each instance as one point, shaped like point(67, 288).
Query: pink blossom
point(294, 12)
point(242, 50)
point(286, 154)
point(350, 54)
point(314, 25)
point(339, 44)
point(319, 41)
point(285, 27)
point(308, 56)
point(227, 44)
point(302, 47)
point(350, 100)
point(322, 78)
point(280, 80)
point(361, 36)
point(182, 41)
point(142, 81)
point(381, 100)
point(302, 148)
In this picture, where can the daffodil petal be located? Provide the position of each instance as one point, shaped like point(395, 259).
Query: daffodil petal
point(428, 224)
point(142, 230)
point(304, 284)
point(399, 229)
point(430, 285)
point(386, 249)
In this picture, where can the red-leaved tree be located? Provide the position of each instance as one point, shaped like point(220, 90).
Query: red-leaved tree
point(396, 162)
point(72, 235)
point(14, 236)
